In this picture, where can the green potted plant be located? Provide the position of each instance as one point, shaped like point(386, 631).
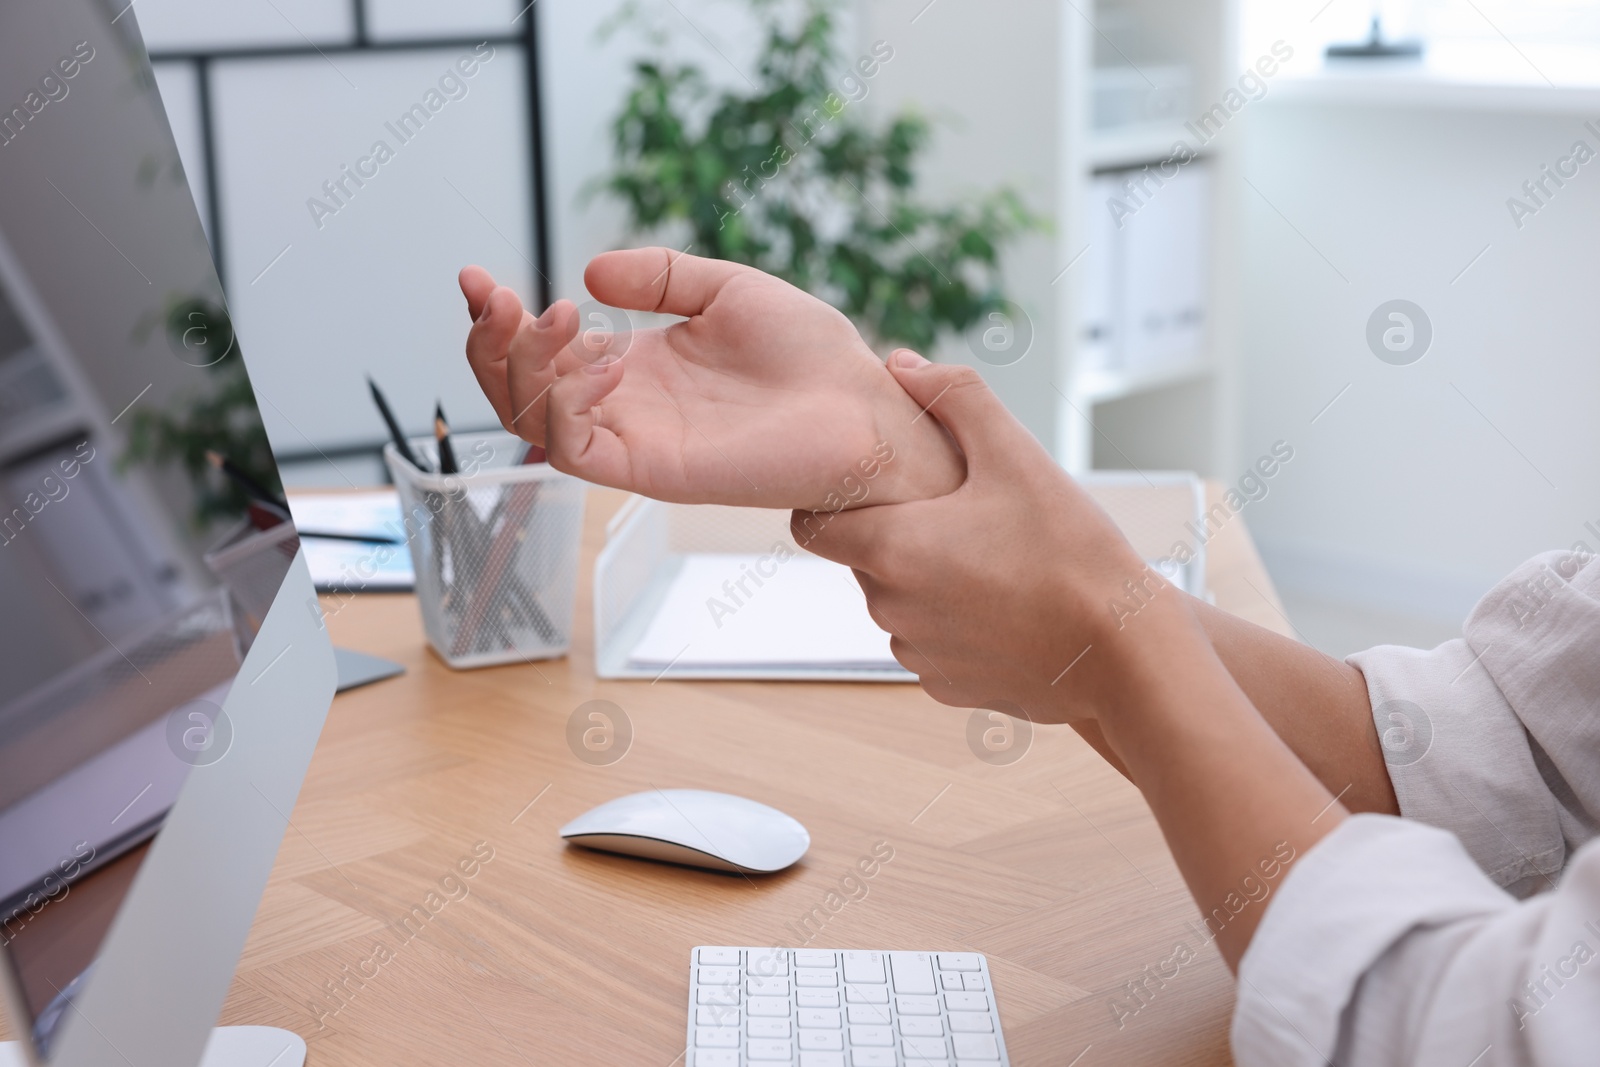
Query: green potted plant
point(786, 174)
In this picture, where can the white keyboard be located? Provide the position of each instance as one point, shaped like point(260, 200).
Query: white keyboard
point(828, 1008)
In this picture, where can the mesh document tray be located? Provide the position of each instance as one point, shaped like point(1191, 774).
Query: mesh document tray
point(648, 541)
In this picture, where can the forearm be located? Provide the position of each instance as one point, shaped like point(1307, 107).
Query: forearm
point(1231, 798)
point(1316, 705)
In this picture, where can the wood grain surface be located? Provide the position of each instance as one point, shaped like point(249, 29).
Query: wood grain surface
point(423, 909)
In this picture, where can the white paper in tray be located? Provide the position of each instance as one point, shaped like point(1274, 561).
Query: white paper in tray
point(806, 613)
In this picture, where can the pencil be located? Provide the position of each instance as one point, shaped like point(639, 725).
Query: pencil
point(395, 434)
point(441, 433)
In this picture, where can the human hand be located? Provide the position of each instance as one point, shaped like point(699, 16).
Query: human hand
point(1017, 588)
point(764, 396)
point(1001, 590)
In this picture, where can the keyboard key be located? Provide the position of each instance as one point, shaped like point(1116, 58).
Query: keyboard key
point(960, 961)
point(720, 957)
point(971, 1022)
point(727, 994)
point(866, 994)
point(872, 1057)
point(975, 1047)
point(868, 1036)
point(722, 1015)
point(952, 980)
point(770, 1050)
point(817, 998)
point(923, 1048)
point(767, 1028)
point(768, 987)
point(819, 1018)
point(974, 983)
point(806, 957)
point(916, 1026)
point(768, 962)
point(767, 1007)
point(917, 1005)
point(863, 967)
point(913, 973)
point(821, 1059)
point(966, 1002)
point(869, 1014)
point(718, 976)
point(716, 1057)
point(822, 1040)
point(815, 979)
point(720, 1037)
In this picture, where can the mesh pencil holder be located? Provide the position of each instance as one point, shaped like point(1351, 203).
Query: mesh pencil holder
point(495, 550)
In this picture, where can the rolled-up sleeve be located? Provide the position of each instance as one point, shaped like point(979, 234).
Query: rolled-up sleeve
point(1402, 941)
point(1387, 946)
point(1495, 736)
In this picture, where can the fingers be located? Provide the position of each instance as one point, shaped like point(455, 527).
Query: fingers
point(499, 315)
point(856, 538)
point(476, 285)
point(658, 279)
point(597, 339)
point(576, 438)
point(958, 397)
point(914, 657)
point(532, 364)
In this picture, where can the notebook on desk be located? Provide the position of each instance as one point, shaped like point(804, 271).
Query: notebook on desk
point(354, 566)
point(741, 612)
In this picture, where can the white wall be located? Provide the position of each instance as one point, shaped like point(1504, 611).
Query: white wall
point(1425, 483)
point(989, 74)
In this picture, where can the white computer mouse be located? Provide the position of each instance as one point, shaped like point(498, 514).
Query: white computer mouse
point(693, 827)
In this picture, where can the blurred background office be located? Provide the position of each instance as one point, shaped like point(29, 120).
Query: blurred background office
point(1201, 227)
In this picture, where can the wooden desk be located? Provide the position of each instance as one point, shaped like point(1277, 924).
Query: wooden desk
point(1052, 865)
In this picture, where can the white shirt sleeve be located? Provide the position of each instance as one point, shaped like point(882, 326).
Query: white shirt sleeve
point(1386, 946)
point(1392, 943)
point(1495, 736)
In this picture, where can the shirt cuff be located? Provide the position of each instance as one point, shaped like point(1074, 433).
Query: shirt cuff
point(1460, 759)
point(1339, 909)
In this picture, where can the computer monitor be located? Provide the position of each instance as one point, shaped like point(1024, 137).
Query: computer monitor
point(166, 672)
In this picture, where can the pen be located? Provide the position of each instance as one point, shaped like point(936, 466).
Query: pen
point(441, 433)
point(367, 539)
point(395, 435)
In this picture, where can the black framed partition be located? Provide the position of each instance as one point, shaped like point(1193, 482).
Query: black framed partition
point(350, 157)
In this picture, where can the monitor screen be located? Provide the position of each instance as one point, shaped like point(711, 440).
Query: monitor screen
point(141, 534)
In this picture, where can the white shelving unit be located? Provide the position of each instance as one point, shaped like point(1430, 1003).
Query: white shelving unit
point(1172, 414)
point(1100, 386)
point(1134, 144)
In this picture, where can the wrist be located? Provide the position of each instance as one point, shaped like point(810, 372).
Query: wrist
point(920, 461)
